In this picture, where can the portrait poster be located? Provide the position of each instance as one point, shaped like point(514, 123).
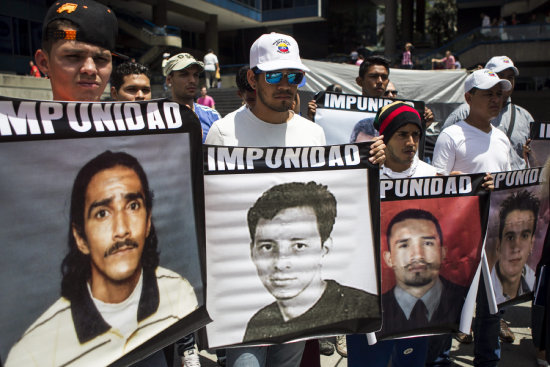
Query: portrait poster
point(79, 230)
point(518, 221)
point(431, 231)
point(348, 118)
point(291, 247)
point(539, 154)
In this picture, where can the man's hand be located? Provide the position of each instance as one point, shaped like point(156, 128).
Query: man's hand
point(377, 153)
point(489, 183)
point(526, 151)
point(311, 109)
point(428, 116)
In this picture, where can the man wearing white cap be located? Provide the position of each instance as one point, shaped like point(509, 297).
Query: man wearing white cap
point(474, 145)
point(512, 119)
point(275, 73)
point(182, 76)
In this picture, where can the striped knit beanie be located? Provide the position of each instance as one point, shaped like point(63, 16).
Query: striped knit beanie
point(391, 117)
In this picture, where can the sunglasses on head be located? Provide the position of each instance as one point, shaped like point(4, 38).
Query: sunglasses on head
point(388, 92)
point(274, 77)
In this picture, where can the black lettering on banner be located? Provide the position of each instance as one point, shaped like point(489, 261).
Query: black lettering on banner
point(519, 178)
point(424, 187)
point(241, 159)
point(25, 118)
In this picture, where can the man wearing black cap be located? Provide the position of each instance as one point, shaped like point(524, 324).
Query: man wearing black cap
point(76, 52)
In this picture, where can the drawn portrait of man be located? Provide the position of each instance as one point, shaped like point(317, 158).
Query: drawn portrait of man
point(114, 294)
point(421, 297)
point(511, 274)
point(290, 227)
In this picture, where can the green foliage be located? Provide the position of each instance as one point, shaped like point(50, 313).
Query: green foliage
point(442, 21)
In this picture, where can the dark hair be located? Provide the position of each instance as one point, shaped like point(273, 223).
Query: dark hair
point(55, 25)
point(128, 68)
point(292, 195)
point(373, 60)
point(417, 214)
point(242, 81)
point(363, 126)
point(519, 200)
point(76, 268)
point(335, 88)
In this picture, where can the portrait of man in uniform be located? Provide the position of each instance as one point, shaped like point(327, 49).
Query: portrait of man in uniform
point(511, 274)
point(114, 294)
point(421, 297)
point(290, 227)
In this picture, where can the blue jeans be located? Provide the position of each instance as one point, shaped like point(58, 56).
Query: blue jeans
point(409, 352)
point(279, 355)
point(486, 329)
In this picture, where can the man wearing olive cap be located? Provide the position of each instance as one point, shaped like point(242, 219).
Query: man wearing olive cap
point(182, 77)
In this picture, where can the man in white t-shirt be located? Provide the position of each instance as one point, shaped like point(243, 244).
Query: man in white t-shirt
point(275, 73)
point(211, 67)
point(473, 145)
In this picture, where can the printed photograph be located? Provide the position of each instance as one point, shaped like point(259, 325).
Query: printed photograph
point(428, 261)
point(296, 258)
point(104, 243)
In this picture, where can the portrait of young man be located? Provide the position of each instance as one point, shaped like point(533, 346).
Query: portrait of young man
point(114, 294)
point(421, 297)
point(290, 227)
point(511, 275)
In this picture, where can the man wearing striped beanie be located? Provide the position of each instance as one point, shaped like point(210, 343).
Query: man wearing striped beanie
point(401, 126)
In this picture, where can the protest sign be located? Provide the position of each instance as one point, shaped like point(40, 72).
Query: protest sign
point(99, 220)
point(540, 144)
point(349, 118)
point(291, 245)
point(432, 232)
point(515, 235)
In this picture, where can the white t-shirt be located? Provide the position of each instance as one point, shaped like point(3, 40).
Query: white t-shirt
point(243, 128)
point(418, 168)
point(210, 61)
point(462, 147)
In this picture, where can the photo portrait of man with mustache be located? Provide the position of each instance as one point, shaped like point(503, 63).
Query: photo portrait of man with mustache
point(421, 297)
point(114, 294)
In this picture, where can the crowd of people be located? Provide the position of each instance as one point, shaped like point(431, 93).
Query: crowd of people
point(77, 56)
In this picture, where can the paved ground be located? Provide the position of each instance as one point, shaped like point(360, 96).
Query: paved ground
point(519, 354)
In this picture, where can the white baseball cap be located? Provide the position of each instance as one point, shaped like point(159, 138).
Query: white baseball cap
point(499, 63)
point(180, 62)
point(485, 79)
point(276, 51)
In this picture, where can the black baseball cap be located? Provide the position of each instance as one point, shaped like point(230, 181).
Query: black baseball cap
point(95, 23)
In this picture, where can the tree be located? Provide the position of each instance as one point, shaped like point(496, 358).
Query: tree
point(442, 21)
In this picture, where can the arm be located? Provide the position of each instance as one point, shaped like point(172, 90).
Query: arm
point(311, 109)
point(444, 154)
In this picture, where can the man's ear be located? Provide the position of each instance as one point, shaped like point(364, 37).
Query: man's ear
point(359, 81)
point(250, 77)
point(169, 80)
point(42, 61)
point(387, 258)
point(114, 94)
point(80, 242)
point(327, 246)
point(468, 97)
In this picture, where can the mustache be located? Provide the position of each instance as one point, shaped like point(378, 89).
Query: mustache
point(416, 263)
point(118, 245)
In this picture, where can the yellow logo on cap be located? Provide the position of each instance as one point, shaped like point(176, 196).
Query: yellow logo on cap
point(68, 7)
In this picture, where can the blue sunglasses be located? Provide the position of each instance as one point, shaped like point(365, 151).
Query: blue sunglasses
point(274, 77)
